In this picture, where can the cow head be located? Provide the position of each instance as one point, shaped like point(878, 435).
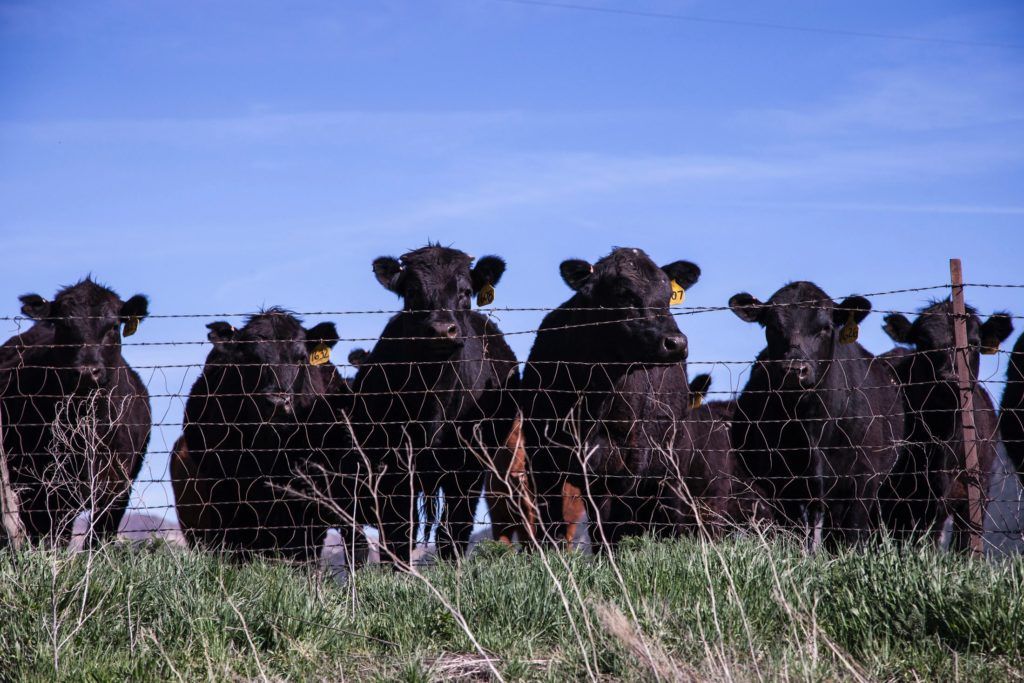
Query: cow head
point(437, 285)
point(630, 297)
point(271, 354)
point(931, 375)
point(801, 325)
point(86, 319)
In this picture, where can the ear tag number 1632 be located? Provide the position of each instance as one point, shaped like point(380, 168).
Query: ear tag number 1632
point(320, 354)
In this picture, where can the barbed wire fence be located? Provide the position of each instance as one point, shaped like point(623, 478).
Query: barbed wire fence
point(271, 471)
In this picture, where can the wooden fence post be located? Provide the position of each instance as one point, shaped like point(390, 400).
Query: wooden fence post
point(10, 509)
point(976, 496)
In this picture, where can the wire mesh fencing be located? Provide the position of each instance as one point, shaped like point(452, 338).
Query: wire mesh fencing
point(436, 436)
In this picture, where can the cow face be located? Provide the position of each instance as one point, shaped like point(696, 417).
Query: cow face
point(86, 319)
point(932, 369)
point(272, 356)
point(801, 325)
point(630, 295)
point(437, 285)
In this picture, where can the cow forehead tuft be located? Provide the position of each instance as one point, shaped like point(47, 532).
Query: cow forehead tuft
point(937, 319)
point(436, 257)
point(274, 323)
point(627, 261)
point(87, 294)
point(802, 291)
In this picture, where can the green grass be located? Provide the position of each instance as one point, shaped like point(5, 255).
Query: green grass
point(739, 609)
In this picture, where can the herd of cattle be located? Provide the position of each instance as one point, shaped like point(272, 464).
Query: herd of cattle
point(602, 424)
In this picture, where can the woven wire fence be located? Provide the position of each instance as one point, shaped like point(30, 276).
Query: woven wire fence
point(288, 441)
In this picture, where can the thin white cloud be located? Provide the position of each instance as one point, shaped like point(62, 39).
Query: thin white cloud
point(908, 99)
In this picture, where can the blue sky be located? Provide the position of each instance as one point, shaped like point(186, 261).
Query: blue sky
point(220, 156)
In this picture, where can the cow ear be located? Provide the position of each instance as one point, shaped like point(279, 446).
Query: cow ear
point(35, 306)
point(221, 333)
point(747, 307)
point(995, 330)
point(487, 271)
point(857, 305)
point(324, 333)
point(575, 272)
point(357, 357)
point(137, 307)
point(389, 273)
point(700, 384)
point(683, 273)
point(897, 327)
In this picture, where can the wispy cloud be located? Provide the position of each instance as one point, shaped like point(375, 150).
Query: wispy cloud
point(908, 99)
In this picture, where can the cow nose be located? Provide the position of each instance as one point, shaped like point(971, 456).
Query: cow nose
point(445, 330)
point(801, 370)
point(675, 345)
point(93, 372)
point(282, 401)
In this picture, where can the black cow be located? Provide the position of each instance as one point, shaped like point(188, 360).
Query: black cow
point(1011, 413)
point(817, 425)
point(75, 416)
point(710, 428)
point(605, 402)
point(931, 484)
point(432, 397)
point(260, 436)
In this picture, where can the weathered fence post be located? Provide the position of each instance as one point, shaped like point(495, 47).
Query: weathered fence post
point(976, 496)
point(10, 509)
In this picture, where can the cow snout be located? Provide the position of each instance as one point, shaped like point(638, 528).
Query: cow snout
point(445, 330)
point(675, 346)
point(91, 372)
point(282, 402)
point(800, 372)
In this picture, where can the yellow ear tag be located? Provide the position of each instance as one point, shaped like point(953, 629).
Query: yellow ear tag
point(678, 294)
point(850, 331)
point(485, 295)
point(131, 326)
point(696, 401)
point(320, 354)
point(989, 347)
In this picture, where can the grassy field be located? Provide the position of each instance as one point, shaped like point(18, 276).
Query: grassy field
point(739, 610)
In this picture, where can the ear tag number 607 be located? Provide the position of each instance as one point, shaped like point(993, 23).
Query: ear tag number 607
point(678, 294)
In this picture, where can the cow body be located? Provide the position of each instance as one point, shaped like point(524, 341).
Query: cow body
point(260, 446)
point(817, 425)
point(1011, 413)
point(606, 403)
point(76, 417)
point(931, 483)
point(433, 407)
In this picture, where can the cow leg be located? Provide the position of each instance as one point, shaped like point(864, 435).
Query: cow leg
point(396, 515)
point(55, 521)
point(602, 516)
point(106, 516)
point(631, 515)
point(461, 493)
point(960, 540)
point(509, 498)
point(847, 511)
point(305, 544)
point(574, 511)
